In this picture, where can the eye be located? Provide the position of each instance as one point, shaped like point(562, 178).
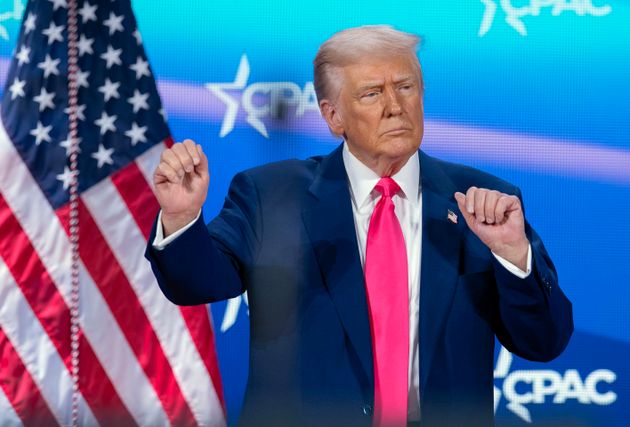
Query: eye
point(370, 94)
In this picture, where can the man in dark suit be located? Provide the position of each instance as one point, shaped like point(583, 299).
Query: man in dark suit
point(377, 276)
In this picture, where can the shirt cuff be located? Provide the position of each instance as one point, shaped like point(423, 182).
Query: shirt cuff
point(514, 269)
point(160, 242)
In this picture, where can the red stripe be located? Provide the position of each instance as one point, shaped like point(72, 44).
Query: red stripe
point(169, 141)
point(48, 305)
point(20, 389)
point(137, 194)
point(102, 265)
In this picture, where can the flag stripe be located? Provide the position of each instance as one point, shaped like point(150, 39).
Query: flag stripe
point(51, 243)
point(24, 395)
point(137, 194)
point(115, 288)
point(48, 306)
point(149, 160)
point(9, 417)
point(127, 242)
point(31, 342)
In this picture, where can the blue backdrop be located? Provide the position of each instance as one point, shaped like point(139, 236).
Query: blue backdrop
point(537, 92)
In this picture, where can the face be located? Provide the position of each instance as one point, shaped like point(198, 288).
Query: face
point(379, 111)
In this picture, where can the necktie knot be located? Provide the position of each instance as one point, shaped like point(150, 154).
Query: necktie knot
point(387, 187)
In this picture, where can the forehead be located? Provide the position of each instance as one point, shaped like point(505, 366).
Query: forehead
point(380, 70)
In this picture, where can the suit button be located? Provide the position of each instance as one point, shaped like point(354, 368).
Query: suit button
point(367, 409)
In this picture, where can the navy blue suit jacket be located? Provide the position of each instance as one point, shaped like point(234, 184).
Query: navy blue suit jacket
point(286, 235)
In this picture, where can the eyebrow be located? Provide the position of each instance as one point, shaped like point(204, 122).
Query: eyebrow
point(376, 83)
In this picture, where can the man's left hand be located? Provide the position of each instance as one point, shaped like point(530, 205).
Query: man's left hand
point(497, 219)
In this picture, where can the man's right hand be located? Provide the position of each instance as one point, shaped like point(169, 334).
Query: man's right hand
point(181, 184)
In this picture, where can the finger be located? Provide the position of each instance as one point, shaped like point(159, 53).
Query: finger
point(164, 171)
point(480, 204)
point(470, 200)
point(171, 159)
point(184, 157)
point(461, 203)
point(202, 166)
point(505, 205)
point(191, 147)
point(492, 198)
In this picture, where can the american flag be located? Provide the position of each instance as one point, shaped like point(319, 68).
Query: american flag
point(141, 360)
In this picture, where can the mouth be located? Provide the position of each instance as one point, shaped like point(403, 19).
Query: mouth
point(396, 131)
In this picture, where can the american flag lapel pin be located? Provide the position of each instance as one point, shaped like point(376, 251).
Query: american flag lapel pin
point(451, 216)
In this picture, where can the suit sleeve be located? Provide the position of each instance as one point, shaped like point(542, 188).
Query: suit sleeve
point(535, 317)
point(209, 263)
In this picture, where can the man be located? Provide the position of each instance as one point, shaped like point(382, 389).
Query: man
point(377, 276)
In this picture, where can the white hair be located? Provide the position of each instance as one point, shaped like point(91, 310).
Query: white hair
point(350, 46)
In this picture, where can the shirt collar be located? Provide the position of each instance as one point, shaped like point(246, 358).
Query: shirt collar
point(363, 179)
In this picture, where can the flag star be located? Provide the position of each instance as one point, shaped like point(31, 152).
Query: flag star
point(17, 88)
point(112, 56)
point(41, 133)
point(67, 144)
point(85, 45)
point(114, 23)
point(110, 89)
point(162, 113)
point(49, 66)
point(136, 133)
point(82, 79)
point(80, 111)
point(45, 99)
point(141, 67)
point(53, 32)
point(29, 23)
point(59, 3)
point(23, 55)
point(66, 177)
point(106, 123)
point(88, 12)
point(137, 35)
point(103, 156)
point(139, 101)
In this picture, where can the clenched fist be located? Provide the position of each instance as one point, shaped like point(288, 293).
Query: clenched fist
point(181, 184)
point(497, 219)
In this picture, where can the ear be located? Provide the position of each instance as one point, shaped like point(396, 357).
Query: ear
point(332, 116)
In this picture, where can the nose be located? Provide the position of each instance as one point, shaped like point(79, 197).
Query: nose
point(392, 103)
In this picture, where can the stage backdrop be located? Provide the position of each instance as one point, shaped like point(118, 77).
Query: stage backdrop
point(537, 92)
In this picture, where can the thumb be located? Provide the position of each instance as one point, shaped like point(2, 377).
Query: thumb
point(201, 167)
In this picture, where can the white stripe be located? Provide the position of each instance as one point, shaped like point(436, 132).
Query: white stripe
point(127, 242)
point(47, 235)
point(37, 352)
point(8, 417)
point(149, 160)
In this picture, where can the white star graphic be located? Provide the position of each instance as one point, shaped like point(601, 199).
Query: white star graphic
point(80, 111)
point(139, 101)
point(53, 32)
point(141, 67)
point(82, 79)
point(59, 3)
point(136, 133)
point(106, 123)
point(23, 55)
point(88, 12)
point(112, 56)
point(45, 99)
point(163, 113)
point(49, 66)
point(114, 23)
point(110, 89)
point(29, 23)
point(17, 88)
point(85, 45)
point(137, 35)
point(66, 177)
point(103, 156)
point(41, 133)
point(66, 143)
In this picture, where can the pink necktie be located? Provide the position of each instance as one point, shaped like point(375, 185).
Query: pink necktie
point(386, 280)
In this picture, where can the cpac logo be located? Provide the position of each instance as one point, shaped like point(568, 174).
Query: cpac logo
point(515, 14)
point(522, 388)
point(261, 100)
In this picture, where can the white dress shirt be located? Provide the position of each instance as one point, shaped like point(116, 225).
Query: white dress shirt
point(408, 209)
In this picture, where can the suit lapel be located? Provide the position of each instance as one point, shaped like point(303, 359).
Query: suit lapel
point(330, 225)
point(440, 259)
